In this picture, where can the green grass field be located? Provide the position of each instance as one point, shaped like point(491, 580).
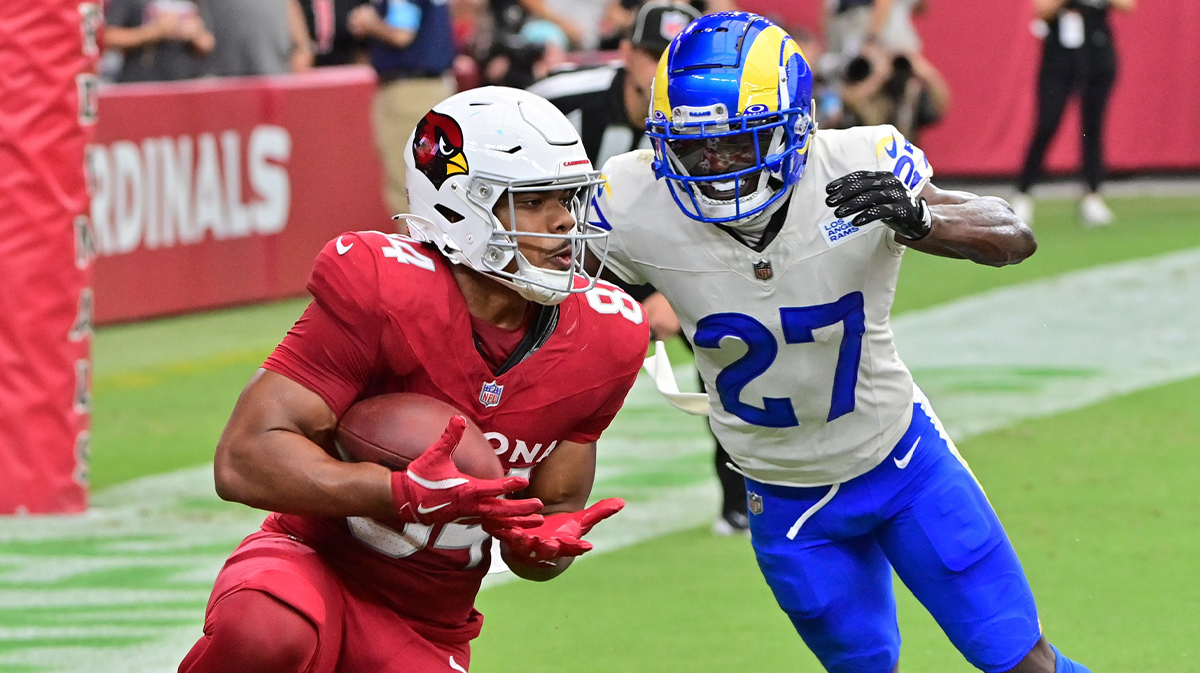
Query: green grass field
point(1099, 501)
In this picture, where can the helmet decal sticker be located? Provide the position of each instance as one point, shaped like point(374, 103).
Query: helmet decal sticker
point(438, 148)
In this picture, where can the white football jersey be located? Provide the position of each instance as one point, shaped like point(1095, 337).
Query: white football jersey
point(793, 342)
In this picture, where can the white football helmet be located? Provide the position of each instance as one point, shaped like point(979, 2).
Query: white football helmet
point(480, 145)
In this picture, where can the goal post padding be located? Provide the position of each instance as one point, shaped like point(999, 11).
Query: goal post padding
point(48, 51)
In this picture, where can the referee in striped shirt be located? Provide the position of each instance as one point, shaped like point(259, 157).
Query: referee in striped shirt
point(608, 106)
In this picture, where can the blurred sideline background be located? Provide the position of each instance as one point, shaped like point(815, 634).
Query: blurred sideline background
point(211, 196)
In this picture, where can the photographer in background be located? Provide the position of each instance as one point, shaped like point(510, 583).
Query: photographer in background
point(1077, 56)
point(901, 89)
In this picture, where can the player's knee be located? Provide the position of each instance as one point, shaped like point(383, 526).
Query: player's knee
point(849, 650)
point(255, 632)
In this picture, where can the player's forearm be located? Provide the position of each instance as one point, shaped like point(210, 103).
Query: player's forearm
point(281, 471)
point(981, 229)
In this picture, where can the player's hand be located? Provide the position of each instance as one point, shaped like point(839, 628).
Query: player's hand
point(880, 195)
point(432, 490)
point(559, 536)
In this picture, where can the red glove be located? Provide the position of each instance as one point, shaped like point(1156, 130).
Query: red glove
point(561, 534)
point(432, 490)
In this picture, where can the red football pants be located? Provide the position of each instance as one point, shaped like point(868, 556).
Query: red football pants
point(276, 606)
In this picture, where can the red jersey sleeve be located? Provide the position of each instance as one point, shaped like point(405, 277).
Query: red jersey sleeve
point(333, 350)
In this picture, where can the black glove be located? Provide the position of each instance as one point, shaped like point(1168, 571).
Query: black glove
point(879, 195)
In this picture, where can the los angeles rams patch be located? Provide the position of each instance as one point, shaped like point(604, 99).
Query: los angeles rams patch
point(839, 231)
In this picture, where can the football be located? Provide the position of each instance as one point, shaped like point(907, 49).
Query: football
point(394, 429)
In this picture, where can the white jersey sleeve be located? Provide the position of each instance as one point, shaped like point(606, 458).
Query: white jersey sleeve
point(620, 174)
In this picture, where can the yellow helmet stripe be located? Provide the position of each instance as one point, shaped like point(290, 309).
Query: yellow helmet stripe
point(760, 68)
point(659, 101)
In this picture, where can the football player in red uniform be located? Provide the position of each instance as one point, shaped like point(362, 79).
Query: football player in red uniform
point(485, 307)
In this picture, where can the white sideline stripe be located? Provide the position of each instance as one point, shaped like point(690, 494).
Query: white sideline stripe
point(74, 598)
point(11, 633)
point(1132, 324)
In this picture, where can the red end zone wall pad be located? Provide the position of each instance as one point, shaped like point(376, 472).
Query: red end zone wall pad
point(222, 191)
point(48, 51)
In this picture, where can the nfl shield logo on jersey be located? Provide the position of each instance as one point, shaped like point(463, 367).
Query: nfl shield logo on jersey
point(762, 269)
point(755, 501)
point(490, 395)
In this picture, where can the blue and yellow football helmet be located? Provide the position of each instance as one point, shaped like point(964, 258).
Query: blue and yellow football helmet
point(730, 116)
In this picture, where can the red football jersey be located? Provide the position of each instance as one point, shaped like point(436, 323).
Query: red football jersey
point(388, 316)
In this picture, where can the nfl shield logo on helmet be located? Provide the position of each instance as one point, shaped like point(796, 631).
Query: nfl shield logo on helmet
point(755, 502)
point(490, 395)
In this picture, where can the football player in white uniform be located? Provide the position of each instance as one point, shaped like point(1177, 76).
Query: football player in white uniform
point(779, 248)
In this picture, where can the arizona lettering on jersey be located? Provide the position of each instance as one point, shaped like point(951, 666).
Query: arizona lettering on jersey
point(388, 316)
point(803, 378)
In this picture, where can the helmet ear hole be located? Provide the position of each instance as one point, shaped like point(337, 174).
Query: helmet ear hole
point(450, 214)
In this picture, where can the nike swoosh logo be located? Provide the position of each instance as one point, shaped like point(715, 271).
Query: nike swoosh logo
point(455, 666)
point(422, 509)
point(343, 249)
point(903, 462)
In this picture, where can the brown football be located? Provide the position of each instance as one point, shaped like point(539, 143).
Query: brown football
point(394, 429)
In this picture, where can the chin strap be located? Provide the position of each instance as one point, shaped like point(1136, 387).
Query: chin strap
point(658, 366)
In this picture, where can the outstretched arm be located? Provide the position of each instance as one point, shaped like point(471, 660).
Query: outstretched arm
point(953, 224)
point(982, 229)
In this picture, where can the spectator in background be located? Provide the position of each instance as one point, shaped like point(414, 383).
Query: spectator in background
point(1077, 56)
point(891, 25)
point(847, 23)
point(325, 24)
point(901, 89)
point(257, 37)
point(411, 47)
point(159, 40)
point(617, 18)
point(518, 42)
point(510, 16)
point(608, 104)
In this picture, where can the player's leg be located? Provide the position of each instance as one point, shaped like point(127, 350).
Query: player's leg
point(948, 546)
point(275, 606)
point(1054, 87)
point(252, 632)
point(378, 640)
point(832, 580)
point(733, 495)
point(1093, 103)
point(1045, 657)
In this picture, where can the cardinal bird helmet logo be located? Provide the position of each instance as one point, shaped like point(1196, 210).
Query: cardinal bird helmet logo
point(438, 148)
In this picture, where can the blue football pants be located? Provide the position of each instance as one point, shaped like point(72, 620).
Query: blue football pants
point(920, 512)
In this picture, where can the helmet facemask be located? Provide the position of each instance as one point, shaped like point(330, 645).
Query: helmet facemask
point(500, 256)
point(726, 171)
